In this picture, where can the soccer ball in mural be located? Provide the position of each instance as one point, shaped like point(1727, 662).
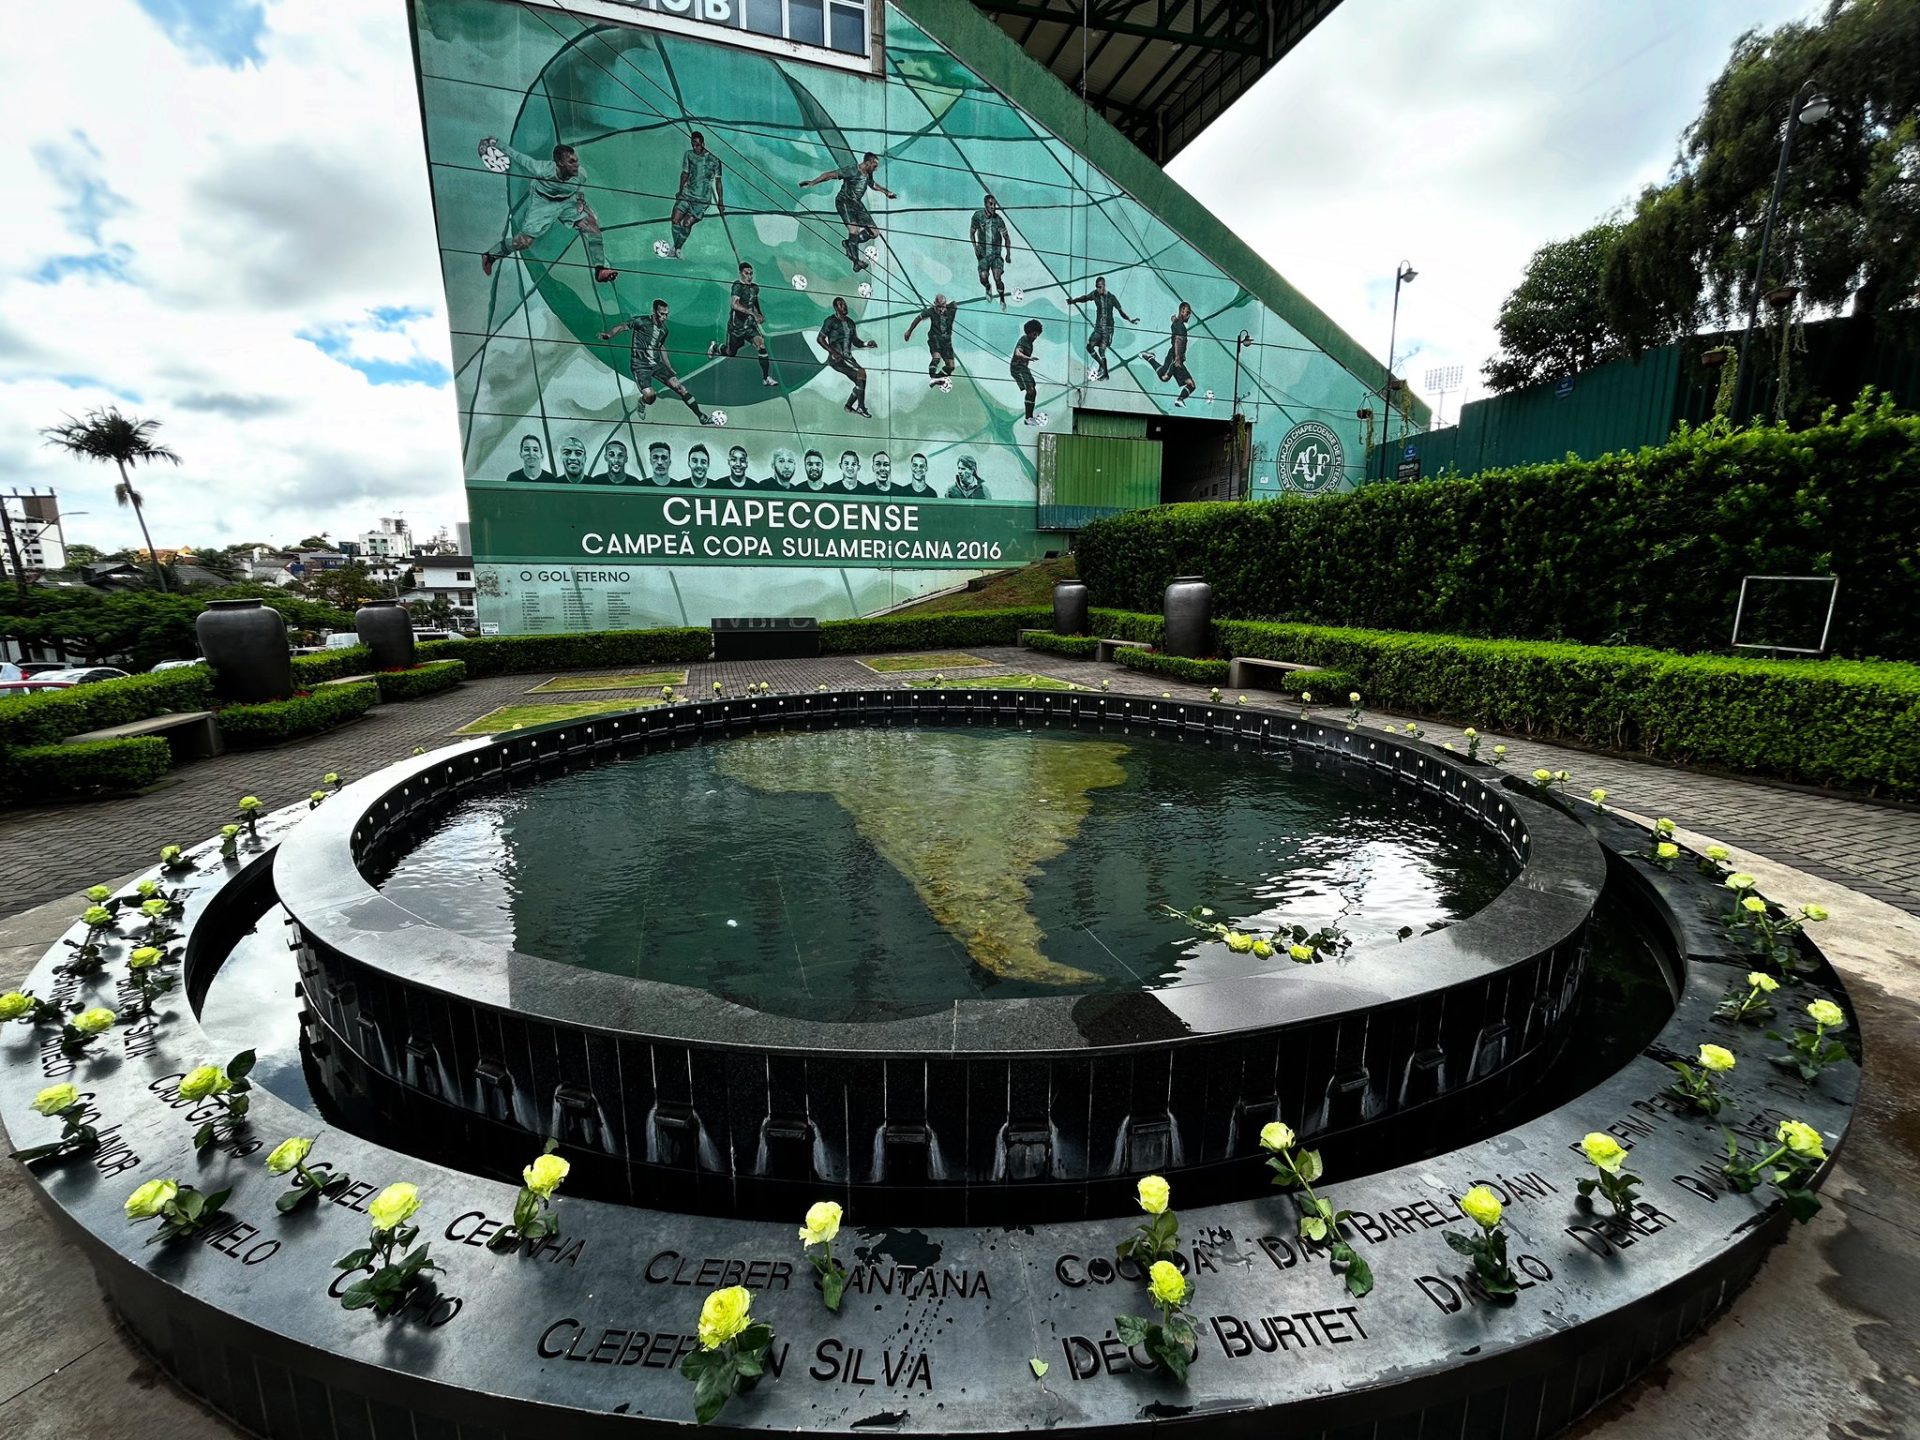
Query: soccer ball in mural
point(1209, 397)
point(799, 282)
point(1019, 297)
point(493, 157)
point(662, 249)
point(872, 252)
point(866, 290)
point(944, 385)
point(719, 417)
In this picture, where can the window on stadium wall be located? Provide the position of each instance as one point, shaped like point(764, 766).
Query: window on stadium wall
point(765, 309)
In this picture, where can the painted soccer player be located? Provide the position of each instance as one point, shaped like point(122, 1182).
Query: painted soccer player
point(701, 185)
point(616, 471)
point(785, 462)
point(1176, 364)
point(939, 317)
point(850, 472)
point(992, 246)
point(966, 481)
point(573, 460)
point(1104, 303)
point(532, 460)
point(647, 358)
point(737, 475)
point(1020, 366)
point(840, 337)
point(697, 462)
point(917, 479)
point(557, 196)
point(660, 463)
point(882, 480)
point(851, 202)
point(746, 324)
point(816, 464)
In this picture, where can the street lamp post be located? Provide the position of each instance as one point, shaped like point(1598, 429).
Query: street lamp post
point(1405, 275)
point(1240, 342)
point(1812, 108)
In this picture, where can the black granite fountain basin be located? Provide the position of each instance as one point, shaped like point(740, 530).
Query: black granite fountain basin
point(975, 1109)
point(580, 1336)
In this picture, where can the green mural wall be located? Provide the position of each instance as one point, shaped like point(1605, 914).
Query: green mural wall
point(853, 424)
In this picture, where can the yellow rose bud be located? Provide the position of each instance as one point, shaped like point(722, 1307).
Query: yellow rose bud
point(202, 1081)
point(1563, 775)
point(1802, 1139)
point(1604, 1151)
point(1597, 795)
point(1716, 852)
point(1302, 953)
point(98, 916)
point(1815, 913)
point(1754, 905)
point(1766, 984)
point(330, 778)
point(1262, 949)
point(150, 1199)
point(96, 1021)
point(99, 894)
point(249, 802)
point(1666, 850)
point(1153, 1194)
point(287, 1154)
point(544, 1175)
point(1239, 943)
point(55, 1098)
point(1353, 697)
point(723, 1315)
point(1499, 749)
point(227, 832)
point(1305, 698)
point(153, 909)
point(1276, 1136)
point(147, 889)
point(144, 958)
point(169, 853)
point(1827, 1015)
point(317, 796)
point(394, 1206)
point(1715, 1057)
point(1471, 733)
point(1166, 1284)
point(13, 1005)
point(823, 1223)
point(1481, 1206)
point(1663, 825)
point(1740, 880)
point(1543, 776)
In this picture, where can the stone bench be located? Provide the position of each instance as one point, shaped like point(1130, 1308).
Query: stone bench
point(366, 679)
point(1103, 649)
point(1244, 667)
point(190, 734)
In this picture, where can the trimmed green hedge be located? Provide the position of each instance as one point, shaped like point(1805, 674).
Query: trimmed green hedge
point(1649, 547)
point(942, 630)
point(248, 727)
point(88, 767)
point(1081, 647)
point(51, 715)
point(428, 679)
point(1129, 625)
point(586, 650)
point(1174, 667)
point(312, 670)
point(1327, 686)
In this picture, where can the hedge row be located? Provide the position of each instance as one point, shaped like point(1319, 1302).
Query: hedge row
point(88, 767)
point(249, 727)
point(584, 650)
point(1080, 647)
point(50, 715)
point(1646, 548)
point(931, 632)
point(428, 679)
point(1174, 667)
point(312, 670)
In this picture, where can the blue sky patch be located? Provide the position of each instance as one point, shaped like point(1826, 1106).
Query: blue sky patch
point(226, 32)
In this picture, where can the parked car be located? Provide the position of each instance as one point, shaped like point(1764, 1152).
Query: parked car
point(341, 640)
point(84, 675)
point(174, 665)
point(32, 686)
point(31, 668)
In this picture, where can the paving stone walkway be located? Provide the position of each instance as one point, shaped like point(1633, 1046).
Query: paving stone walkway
point(54, 850)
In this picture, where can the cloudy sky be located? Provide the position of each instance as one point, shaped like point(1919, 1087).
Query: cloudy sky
point(218, 217)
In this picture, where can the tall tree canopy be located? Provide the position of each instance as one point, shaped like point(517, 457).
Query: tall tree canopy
point(1555, 322)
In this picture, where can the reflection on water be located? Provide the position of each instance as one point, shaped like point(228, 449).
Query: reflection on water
point(819, 872)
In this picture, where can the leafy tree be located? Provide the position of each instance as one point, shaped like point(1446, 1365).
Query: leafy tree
point(140, 627)
point(1848, 229)
point(345, 586)
point(1555, 322)
point(106, 434)
point(315, 542)
point(84, 555)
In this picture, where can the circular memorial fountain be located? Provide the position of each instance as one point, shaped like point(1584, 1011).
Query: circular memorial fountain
point(939, 956)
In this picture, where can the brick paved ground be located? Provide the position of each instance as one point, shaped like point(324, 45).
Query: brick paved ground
point(54, 850)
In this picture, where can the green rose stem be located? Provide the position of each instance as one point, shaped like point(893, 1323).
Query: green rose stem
point(1319, 1221)
point(1695, 1087)
point(533, 1217)
point(816, 1239)
point(1745, 1006)
point(732, 1355)
point(229, 842)
point(1609, 1158)
point(1159, 1237)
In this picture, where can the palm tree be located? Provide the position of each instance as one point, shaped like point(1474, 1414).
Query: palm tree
point(106, 434)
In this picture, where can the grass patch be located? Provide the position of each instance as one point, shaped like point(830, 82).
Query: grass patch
point(1028, 586)
point(943, 660)
point(514, 717)
point(997, 682)
point(650, 680)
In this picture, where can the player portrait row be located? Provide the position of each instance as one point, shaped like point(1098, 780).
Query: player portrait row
point(556, 194)
point(789, 471)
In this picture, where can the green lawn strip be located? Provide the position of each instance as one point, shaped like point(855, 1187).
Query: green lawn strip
point(946, 660)
point(997, 682)
point(514, 717)
point(651, 680)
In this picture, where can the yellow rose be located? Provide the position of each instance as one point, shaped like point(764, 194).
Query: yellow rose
point(96, 1021)
point(99, 894)
point(1827, 1015)
point(1276, 1137)
point(202, 1081)
point(1716, 852)
point(332, 777)
point(823, 1223)
point(1499, 749)
point(1239, 943)
point(723, 1315)
point(169, 854)
point(147, 889)
point(97, 917)
point(227, 832)
point(1802, 1139)
point(1353, 697)
point(1765, 984)
point(317, 796)
point(1154, 1193)
point(1663, 825)
point(543, 1177)
point(249, 802)
point(153, 909)
point(1543, 776)
point(1481, 1206)
point(287, 1154)
point(55, 1098)
point(1305, 698)
point(1740, 880)
point(1754, 905)
point(150, 1199)
point(1814, 912)
point(1597, 795)
point(1715, 1057)
point(1262, 949)
point(1471, 733)
point(1604, 1151)
point(13, 1005)
point(1166, 1284)
point(144, 957)
point(1666, 850)
point(1302, 953)
point(394, 1206)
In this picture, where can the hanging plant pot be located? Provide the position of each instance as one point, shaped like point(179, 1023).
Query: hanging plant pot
point(1716, 357)
point(1783, 296)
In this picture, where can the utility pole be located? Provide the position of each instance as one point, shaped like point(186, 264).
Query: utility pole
point(13, 550)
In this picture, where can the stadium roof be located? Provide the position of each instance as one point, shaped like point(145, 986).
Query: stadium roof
point(1159, 71)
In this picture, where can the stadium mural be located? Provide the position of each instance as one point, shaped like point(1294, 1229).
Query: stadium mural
point(740, 333)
